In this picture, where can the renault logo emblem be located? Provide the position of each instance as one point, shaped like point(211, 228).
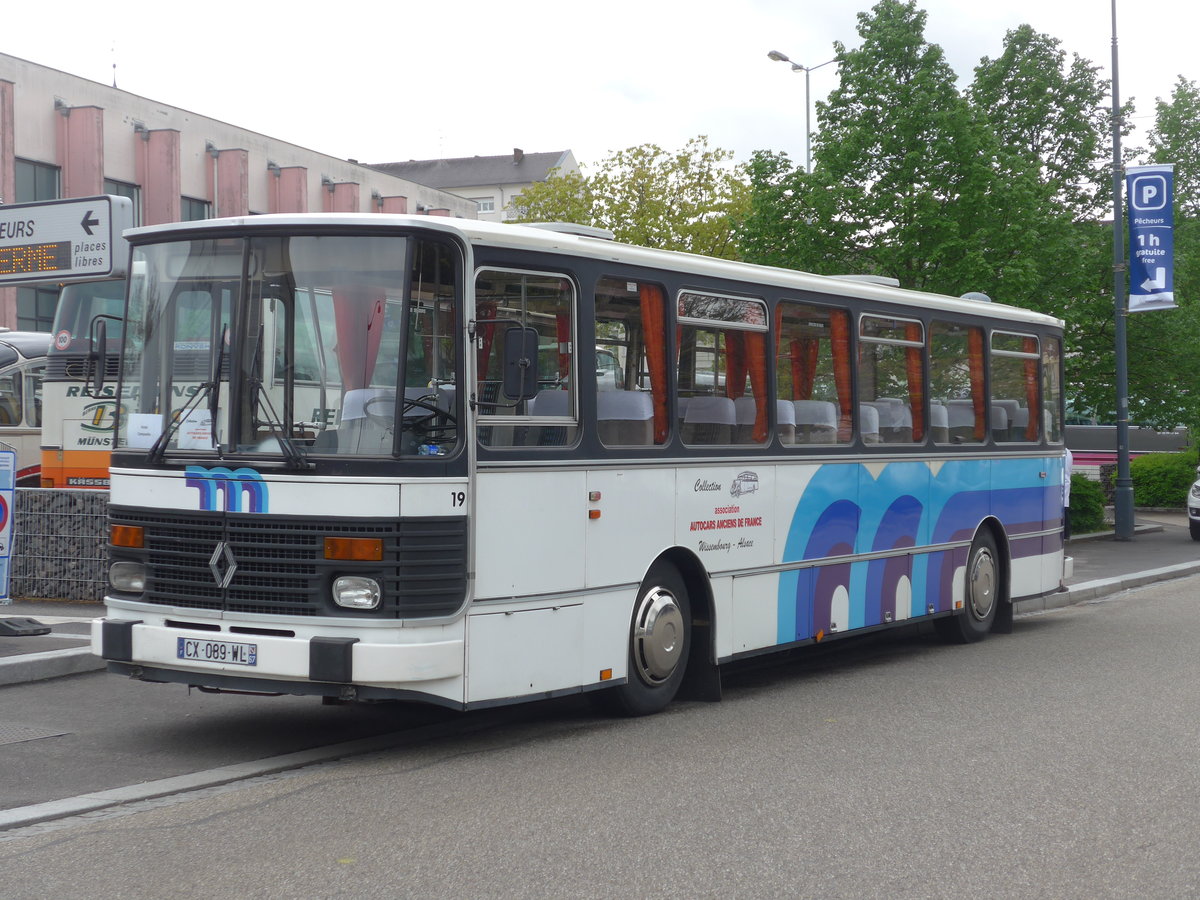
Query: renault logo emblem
point(222, 553)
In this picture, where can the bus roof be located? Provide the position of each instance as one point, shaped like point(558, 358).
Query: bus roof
point(551, 240)
point(28, 343)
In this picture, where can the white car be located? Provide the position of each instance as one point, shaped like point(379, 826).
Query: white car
point(1193, 507)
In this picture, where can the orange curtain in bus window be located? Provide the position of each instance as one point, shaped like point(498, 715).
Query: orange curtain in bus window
point(1030, 345)
point(654, 328)
point(915, 372)
point(975, 368)
point(804, 366)
point(358, 318)
point(839, 326)
point(755, 353)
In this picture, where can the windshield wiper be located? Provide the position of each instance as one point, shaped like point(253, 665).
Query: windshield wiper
point(292, 453)
point(214, 397)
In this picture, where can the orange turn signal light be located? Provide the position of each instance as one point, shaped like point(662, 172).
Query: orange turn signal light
point(359, 549)
point(126, 536)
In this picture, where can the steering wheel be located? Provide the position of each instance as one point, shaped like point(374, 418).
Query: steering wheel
point(380, 417)
point(424, 423)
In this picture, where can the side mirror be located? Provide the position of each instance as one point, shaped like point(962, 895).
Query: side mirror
point(96, 354)
point(520, 363)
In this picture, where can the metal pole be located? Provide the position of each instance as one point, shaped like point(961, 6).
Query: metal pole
point(1123, 496)
point(808, 124)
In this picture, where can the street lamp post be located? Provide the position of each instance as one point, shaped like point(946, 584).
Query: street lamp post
point(796, 67)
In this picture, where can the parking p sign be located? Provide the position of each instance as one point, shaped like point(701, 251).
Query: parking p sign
point(1150, 191)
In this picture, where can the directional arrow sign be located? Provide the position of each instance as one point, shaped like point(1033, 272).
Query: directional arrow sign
point(64, 240)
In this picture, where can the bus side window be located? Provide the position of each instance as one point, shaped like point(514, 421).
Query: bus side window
point(544, 302)
point(10, 398)
point(722, 360)
point(891, 377)
point(33, 394)
point(631, 364)
point(958, 404)
point(1016, 408)
point(812, 371)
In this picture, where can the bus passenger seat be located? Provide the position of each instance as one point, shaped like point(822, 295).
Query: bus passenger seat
point(709, 420)
point(1010, 408)
point(816, 422)
point(785, 421)
point(868, 423)
point(999, 423)
point(363, 426)
point(960, 419)
point(1018, 423)
point(939, 423)
point(625, 418)
point(745, 410)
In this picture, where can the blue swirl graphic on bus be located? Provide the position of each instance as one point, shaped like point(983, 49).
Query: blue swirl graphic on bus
point(231, 485)
point(854, 510)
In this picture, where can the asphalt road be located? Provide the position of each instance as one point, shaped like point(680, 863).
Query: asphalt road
point(1059, 761)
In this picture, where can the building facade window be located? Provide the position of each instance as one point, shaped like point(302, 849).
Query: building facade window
point(36, 181)
point(35, 307)
point(485, 204)
point(132, 191)
point(193, 210)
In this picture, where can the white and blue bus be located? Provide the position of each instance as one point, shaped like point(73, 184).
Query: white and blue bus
point(371, 456)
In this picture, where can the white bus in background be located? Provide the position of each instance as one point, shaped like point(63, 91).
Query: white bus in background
point(78, 424)
point(22, 406)
point(472, 464)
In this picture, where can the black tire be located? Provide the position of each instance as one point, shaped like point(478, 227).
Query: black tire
point(1194, 528)
point(982, 594)
point(660, 638)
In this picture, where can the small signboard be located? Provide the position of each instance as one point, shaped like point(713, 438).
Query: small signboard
point(64, 240)
point(1151, 237)
point(8, 482)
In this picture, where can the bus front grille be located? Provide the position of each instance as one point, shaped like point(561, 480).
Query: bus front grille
point(276, 565)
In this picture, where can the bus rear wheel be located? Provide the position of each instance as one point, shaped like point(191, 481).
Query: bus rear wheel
point(660, 635)
point(982, 594)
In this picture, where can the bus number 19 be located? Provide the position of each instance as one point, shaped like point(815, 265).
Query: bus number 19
point(458, 498)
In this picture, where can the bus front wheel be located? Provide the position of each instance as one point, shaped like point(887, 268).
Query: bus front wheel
point(660, 635)
point(982, 594)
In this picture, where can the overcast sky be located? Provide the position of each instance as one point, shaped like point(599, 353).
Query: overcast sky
point(415, 79)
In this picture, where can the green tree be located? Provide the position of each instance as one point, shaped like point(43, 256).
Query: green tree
point(1164, 373)
point(1051, 113)
point(908, 180)
point(687, 200)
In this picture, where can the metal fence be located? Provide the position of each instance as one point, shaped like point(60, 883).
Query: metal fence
point(59, 545)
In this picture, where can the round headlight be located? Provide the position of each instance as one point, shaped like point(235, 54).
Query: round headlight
point(128, 577)
point(356, 592)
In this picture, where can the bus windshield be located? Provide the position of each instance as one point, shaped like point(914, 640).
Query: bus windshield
point(78, 305)
point(292, 347)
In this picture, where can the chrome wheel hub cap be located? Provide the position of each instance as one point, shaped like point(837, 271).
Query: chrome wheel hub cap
point(657, 636)
point(982, 583)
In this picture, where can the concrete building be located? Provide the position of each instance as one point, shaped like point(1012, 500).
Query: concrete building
point(492, 182)
point(62, 136)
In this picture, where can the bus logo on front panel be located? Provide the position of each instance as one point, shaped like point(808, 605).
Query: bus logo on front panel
point(223, 490)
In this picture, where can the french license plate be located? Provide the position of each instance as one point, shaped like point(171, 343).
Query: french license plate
point(230, 652)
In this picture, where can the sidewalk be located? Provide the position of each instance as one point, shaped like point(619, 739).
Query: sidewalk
point(1161, 549)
